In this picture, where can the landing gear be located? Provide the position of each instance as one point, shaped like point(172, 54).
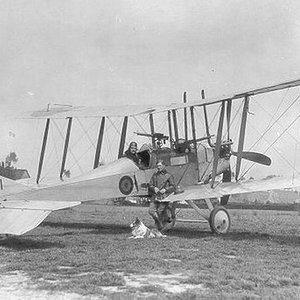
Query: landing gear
point(219, 220)
point(217, 217)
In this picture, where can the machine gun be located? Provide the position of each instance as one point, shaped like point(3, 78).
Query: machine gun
point(159, 138)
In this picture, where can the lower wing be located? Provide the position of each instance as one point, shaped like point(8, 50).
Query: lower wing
point(203, 191)
point(18, 217)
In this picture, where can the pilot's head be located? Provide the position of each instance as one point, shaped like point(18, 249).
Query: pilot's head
point(133, 147)
point(160, 165)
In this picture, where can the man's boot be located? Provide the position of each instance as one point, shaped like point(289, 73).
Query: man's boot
point(157, 221)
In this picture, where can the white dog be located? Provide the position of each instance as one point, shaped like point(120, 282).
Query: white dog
point(140, 230)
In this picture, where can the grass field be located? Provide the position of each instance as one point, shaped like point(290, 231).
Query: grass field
point(85, 252)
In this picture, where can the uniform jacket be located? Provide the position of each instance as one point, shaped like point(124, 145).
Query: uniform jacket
point(161, 180)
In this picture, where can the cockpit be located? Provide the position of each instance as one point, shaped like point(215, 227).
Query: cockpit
point(145, 156)
point(180, 154)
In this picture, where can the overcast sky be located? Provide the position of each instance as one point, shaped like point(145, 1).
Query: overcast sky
point(112, 52)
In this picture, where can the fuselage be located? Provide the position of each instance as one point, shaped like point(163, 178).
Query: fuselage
point(123, 177)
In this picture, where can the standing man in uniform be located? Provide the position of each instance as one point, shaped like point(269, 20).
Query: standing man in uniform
point(161, 186)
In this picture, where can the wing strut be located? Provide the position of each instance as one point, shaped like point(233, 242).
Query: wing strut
point(192, 108)
point(206, 119)
point(152, 129)
point(123, 137)
point(242, 137)
point(63, 163)
point(218, 145)
point(99, 143)
point(185, 118)
point(170, 130)
point(228, 115)
point(175, 125)
point(43, 151)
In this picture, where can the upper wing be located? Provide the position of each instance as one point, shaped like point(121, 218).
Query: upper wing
point(90, 112)
point(203, 191)
point(62, 112)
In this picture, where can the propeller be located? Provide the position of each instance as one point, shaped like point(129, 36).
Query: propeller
point(255, 157)
point(252, 156)
point(249, 155)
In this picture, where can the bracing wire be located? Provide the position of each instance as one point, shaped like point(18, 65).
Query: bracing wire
point(70, 151)
point(295, 139)
point(179, 124)
point(113, 125)
point(34, 145)
point(279, 105)
point(117, 134)
point(233, 119)
point(117, 131)
point(81, 156)
point(162, 125)
point(54, 148)
point(215, 115)
point(199, 115)
point(108, 143)
point(277, 119)
point(86, 131)
point(269, 127)
point(271, 145)
point(296, 147)
point(138, 123)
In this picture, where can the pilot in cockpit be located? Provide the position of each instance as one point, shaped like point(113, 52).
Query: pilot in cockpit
point(131, 153)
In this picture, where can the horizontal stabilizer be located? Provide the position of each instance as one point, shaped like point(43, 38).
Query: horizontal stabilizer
point(18, 217)
point(8, 187)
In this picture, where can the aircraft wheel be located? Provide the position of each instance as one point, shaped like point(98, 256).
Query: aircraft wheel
point(219, 220)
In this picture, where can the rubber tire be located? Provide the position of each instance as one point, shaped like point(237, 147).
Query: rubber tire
point(212, 220)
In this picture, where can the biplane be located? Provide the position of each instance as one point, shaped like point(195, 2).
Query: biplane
point(196, 163)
